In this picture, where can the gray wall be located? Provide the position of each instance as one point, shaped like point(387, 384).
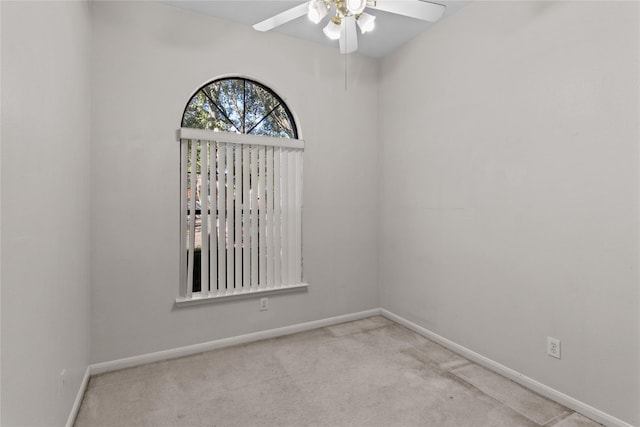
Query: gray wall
point(510, 190)
point(45, 208)
point(147, 61)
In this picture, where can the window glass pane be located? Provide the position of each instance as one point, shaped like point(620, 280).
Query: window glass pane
point(202, 114)
point(259, 103)
point(229, 97)
point(239, 105)
point(277, 124)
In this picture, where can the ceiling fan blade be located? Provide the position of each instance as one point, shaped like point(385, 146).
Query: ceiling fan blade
point(348, 35)
point(283, 17)
point(418, 9)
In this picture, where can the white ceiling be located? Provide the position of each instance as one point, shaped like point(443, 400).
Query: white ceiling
point(391, 32)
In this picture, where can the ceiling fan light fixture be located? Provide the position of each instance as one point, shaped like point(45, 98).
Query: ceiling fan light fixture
point(317, 10)
point(345, 14)
point(356, 6)
point(366, 22)
point(332, 30)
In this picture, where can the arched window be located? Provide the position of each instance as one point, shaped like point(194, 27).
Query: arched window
point(240, 193)
point(239, 105)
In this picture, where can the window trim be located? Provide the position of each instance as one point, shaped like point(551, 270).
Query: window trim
point(197, 299)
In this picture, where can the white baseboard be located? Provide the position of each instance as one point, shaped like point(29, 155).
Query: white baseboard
point(555, 395)
point(114, 365)
point(76, 404)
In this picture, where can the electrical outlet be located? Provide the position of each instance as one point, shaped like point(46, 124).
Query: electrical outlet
point(264, 304)
point(62, 380)
point(553, 347)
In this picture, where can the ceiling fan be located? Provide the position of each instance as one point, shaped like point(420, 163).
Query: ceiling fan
point(349, 13)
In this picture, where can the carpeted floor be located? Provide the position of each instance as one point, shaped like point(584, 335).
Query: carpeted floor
point(371, 372)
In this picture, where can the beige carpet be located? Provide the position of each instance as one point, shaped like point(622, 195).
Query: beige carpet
point(371, 372)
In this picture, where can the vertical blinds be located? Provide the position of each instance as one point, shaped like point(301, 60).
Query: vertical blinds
point(241, 213)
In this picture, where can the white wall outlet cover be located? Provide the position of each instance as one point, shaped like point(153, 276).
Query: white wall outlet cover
point(553, 347)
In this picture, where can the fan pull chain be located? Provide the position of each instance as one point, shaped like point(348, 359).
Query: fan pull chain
point(345, 71)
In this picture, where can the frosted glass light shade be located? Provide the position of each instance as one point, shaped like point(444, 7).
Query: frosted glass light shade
point(317, 10)
point(356, 6)
point(332, 30)
point(366, 22)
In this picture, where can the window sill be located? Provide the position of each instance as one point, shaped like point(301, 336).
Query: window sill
point(210, 298)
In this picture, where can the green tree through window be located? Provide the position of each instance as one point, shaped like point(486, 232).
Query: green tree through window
point(241, 106)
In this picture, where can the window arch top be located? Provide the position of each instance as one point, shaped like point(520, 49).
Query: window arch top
point(239, 105)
